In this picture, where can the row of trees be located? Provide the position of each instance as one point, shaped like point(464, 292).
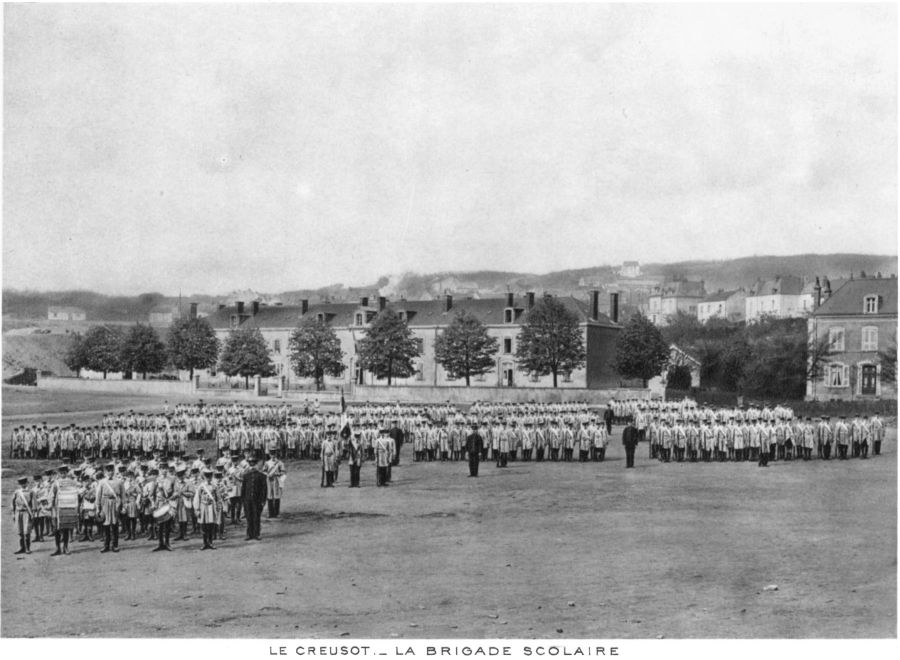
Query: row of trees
point(550, 343)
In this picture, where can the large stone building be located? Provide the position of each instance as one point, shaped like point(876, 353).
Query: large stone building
point(780, 297)
point(727, 305)
point(860, 321)
point(669, 298)
point(503, 318)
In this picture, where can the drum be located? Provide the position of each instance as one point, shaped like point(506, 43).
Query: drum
point(163, 514)
point(67, 503)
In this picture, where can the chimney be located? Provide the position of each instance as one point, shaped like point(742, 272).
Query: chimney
point(304, 306)
point(240, 306)
point(448, 303)
point(221, 307)
point(595, 305)
point(509, 299)
point(827, 288)
point(614, 307)
point(817, 295)
point(255, 306)
point(530, 296)
point(382, 303)
point(364, 301)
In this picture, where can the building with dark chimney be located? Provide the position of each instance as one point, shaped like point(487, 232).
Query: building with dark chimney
point(503, 318)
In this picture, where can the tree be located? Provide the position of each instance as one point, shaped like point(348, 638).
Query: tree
point(888, 360)
point(464, 349)
point(76, 357)
point(678, 377)
point(246, 354)
point(551, 341)
point(143, 351)
point(315, 351)
point(103, 349)
point(641, 351)
point(389, 347)
point(192, 344)
point(777, 362)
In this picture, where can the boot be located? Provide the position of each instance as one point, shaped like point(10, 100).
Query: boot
point(182, 530)
point(56, 538)
point(21, 550)
point(115, 539)
point(27, 544)
point(107, 538)
point(66, 542)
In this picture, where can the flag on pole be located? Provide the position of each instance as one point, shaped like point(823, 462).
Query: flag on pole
point(343, 403)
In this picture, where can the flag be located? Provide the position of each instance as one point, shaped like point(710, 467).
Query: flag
point(343, 403)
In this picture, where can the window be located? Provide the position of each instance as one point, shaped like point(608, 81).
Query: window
point(567, 377)
point(234, 320)
point(419, 372)
point(359, 319)
point(837, 375)
point(278, 369)
point(507, 344)
point(276, 346)
point(534, 377)
point(320, 316)
point(508, 316)
point(836, 339)
point(420, 345)
point(870, 339)
point(479, 378)
point(870, 305)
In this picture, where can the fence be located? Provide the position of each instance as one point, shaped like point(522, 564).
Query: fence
point(443, 394)
point(884, 407)
point(160, 387)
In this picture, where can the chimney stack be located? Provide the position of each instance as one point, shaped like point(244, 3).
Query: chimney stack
point(448, 303)
point(255, 307)
point(382, 303)
point(509, 299)
point(364, 301)
point(614, 307)
point(595, 305)
point(240, 306)
point(193, 313)
point(827, 288)
point(304, 306)
point(530, 296)
point(817, 295)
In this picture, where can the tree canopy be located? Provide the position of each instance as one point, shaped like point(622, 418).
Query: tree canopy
point(102, 349)
point(551, 341)
point(192, 344)
point(246, 354)
point(315, 351)
point(464, 348)
point(641, 351)
point(143, 351)
point(389, 347)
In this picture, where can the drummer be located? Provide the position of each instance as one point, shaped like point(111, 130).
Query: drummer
point(64, 509)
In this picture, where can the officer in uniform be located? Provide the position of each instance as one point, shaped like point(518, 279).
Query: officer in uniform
point(630, 437)
point(254, 489)
point(474, 447)
point(22, 514)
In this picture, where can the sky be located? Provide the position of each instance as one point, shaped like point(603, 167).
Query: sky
point(209, 148)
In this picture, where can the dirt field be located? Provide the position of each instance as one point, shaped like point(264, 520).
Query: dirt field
point(532, 551)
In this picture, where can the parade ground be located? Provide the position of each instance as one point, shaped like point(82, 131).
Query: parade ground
point(534, 550)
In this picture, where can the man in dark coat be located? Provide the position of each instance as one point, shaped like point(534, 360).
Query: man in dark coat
point(254, 490)
point(608, 418)
point(396, 434)
point(630, 440)
point(474, 447)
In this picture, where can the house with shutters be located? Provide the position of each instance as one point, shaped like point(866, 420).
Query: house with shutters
point(780, 297)
point(726, 305)
point(670, 298)
point(503, 318)
point(859, 320)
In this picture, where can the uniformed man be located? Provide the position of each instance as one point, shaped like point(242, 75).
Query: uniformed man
point(109, 499)
point(630, 438)
point(383, 446)
point(64, 521)
point(206, 504)
point(474, 447)
point(254, 488)
point(274, 469)
point(355, 458)
point(22, 515)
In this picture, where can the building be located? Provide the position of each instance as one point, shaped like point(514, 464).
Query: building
point(162, 316)
point(727, 305)
point(630, 269)
point(678, 357)
point(426, 318)
point(859, 320)
point(63, 313)
point(779, 297)
point(669, 298)
point(818, 288)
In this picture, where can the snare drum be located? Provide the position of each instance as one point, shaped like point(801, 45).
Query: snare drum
point(163, 514)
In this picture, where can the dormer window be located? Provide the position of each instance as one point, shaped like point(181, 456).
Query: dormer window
point(508, 316)
point(870, 305)
point(359, 319)
point(320, 317)
point(234, 320)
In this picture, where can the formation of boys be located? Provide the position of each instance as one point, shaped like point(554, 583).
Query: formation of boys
point(135, 481)
point(683, 431)
point(134, 500)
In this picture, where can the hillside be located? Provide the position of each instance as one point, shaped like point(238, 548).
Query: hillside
point(41, 352)
point(725, 274)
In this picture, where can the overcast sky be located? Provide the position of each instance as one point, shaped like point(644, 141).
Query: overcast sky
point(208, 148)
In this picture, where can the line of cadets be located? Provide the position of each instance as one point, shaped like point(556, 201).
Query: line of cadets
point(683, 431)
point(120, 498)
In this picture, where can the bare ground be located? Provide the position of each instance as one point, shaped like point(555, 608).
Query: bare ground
point(591, 550)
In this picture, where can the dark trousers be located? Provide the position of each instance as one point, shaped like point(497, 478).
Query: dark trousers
point(354, 476)
point(876, 447)
point(381, 476)
point(629, 456)
point(473, 466)
point(253, 512)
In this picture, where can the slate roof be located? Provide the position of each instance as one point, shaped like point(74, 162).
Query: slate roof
point(720, 296)
point(849, 299)
point(489, 311)
point(681, 289)
point(787, 285)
